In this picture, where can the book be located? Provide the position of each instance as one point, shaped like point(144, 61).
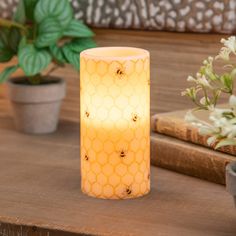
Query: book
point(173, 124)
point(188, 158)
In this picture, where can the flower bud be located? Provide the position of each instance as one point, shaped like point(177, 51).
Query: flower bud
point(204, 82)
point(191, 79)
point(230, 43)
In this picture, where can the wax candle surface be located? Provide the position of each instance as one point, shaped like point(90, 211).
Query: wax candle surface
point(115, 122)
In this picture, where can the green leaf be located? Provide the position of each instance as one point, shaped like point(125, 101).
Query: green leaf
point(72, 57)
point(31, 34)
point(33, 61)
point(227, 81)
point(23, 42)
point(6, 52)
point(29, 8)
point(57, 54)
point(19, 15)
point(6, 55)
point(4, 37)
point(225, 142)
point(9, 40)
point(58, 9)
point(79, 45)
point(70, 52)
point(7, 72)
point(48, 33)
point(14, 39)
point(77, 29)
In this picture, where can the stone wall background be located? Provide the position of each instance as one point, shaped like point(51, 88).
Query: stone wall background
point(170, 15)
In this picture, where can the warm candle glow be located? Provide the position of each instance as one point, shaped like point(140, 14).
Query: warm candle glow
point(115, 122)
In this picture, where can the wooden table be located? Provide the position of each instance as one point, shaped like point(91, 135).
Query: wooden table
point(40, 177)
point(40, 187)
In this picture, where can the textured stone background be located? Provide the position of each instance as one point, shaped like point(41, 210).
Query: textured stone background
point(173, 15)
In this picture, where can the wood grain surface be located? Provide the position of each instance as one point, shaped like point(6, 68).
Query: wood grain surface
point(40, 176)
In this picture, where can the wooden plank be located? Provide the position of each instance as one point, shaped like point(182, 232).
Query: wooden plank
point(7, 229)
point(40, 186)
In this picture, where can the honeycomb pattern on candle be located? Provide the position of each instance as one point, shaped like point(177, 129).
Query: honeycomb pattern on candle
point(115, 133)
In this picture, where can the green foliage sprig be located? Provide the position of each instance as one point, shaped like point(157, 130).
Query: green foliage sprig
point(208, 85)
point(33, 35)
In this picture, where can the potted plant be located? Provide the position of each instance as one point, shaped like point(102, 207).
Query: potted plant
point(231, 179)
point(207, 87)
point(43, 35)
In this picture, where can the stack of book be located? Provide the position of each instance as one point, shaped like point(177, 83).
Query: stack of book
point(178, 146)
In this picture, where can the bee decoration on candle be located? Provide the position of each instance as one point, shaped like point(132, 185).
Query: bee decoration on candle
point(148, 176)
point(128, 190)
point(122, 153)
point(120, 72)
point(86, 157)
point(87, 114)
point(135, 117)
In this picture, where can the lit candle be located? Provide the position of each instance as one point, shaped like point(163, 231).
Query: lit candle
point(115, 122)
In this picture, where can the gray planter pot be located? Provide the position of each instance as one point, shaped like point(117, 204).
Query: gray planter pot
point(36, 108)
point(231, 179)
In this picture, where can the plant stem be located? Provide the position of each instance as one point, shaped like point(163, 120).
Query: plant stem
point(205, 95)
point(35, 80)
point(10, 23)
point(52, 69)
point(35, 32)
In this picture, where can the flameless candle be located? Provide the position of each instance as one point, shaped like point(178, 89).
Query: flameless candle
point(115, 122)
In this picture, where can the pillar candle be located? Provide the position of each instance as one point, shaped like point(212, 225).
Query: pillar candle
point(115, 122)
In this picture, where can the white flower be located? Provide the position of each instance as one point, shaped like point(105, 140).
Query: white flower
point(204, 82)
point(232, 133)
point(211, 141)
point(232, 101)
point(221, 124)
point(191, 79)
point(226, 129)
point(224, 54)
point(191, 118)
point(191, 92)
point(203, 101)
point(199, 75)
point(230, 43)
point(211, 107)
point(208, 61)
point(205, 130)
point(217, 113)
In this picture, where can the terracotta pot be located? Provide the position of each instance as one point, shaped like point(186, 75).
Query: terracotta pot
point(231, 179)
point(36, 108)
